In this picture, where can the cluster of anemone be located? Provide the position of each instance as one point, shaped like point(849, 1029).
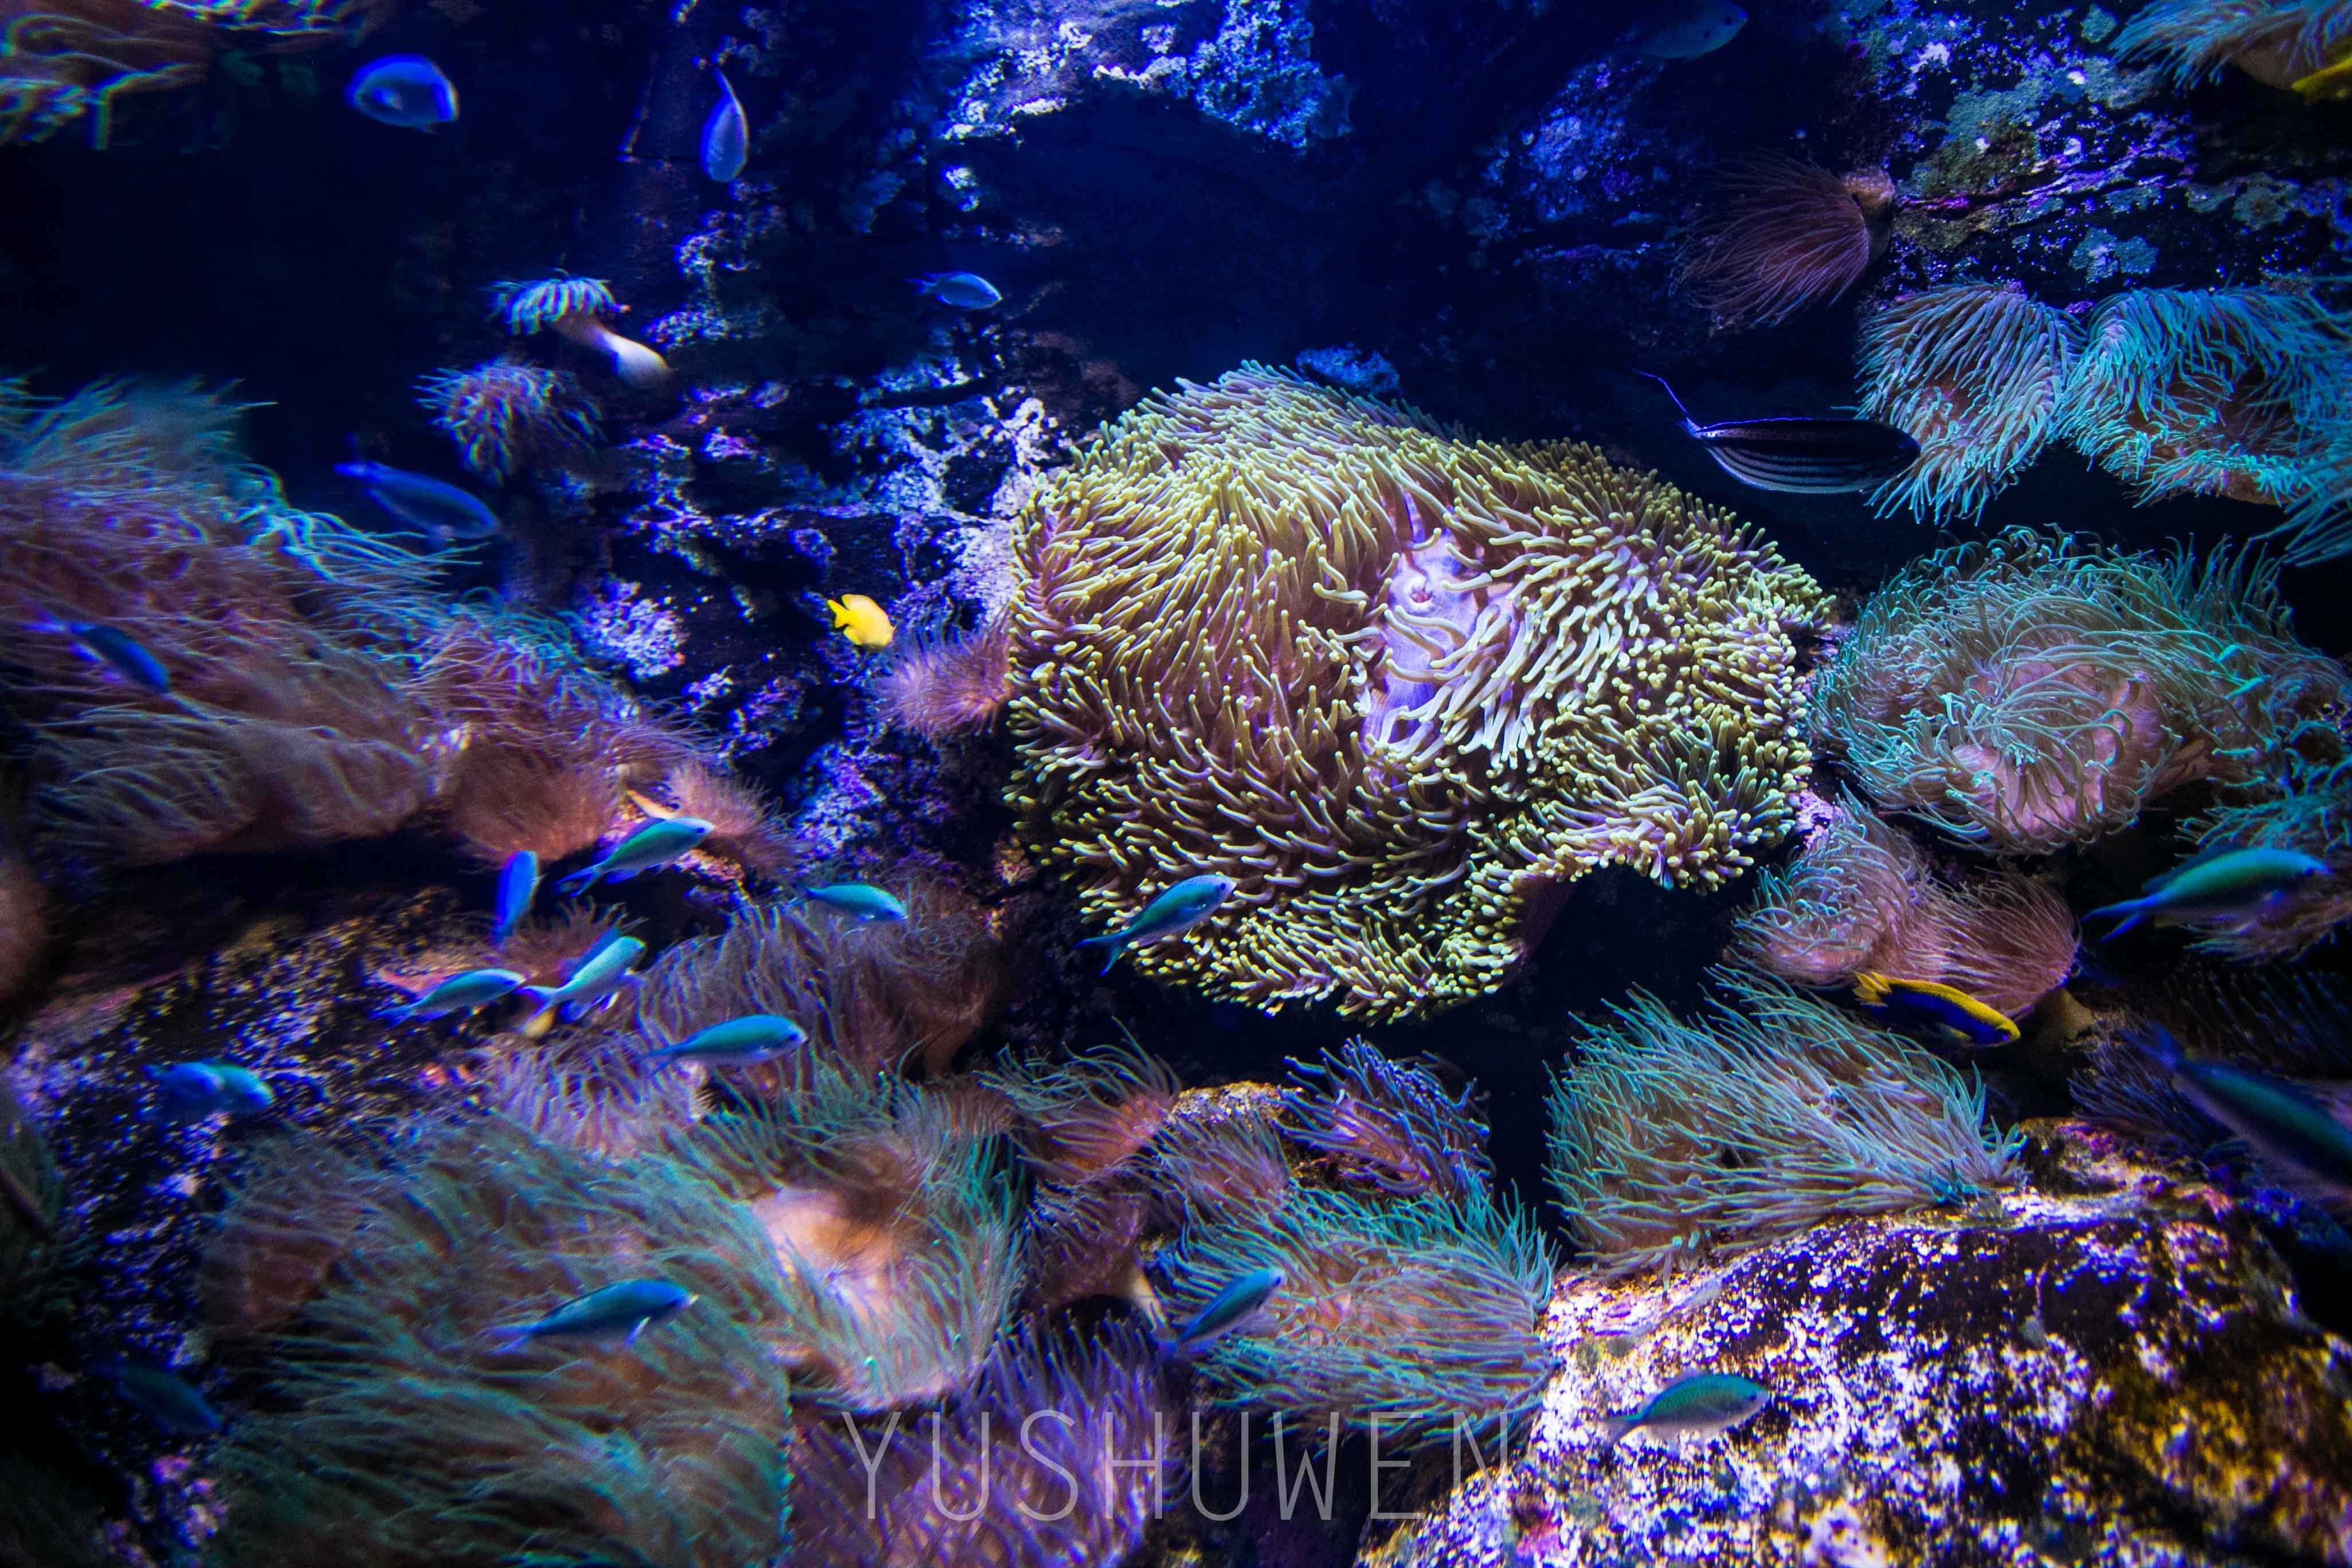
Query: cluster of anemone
point(2276, 42)
point(581, 310)
point(1864, 897)
point(2234, 392)
point(1390, 1124)
point(1778, 235)
point(1402, 688)
point(2027, 692)
point(65, 62)
point(508, 414)
point(1762, 1116)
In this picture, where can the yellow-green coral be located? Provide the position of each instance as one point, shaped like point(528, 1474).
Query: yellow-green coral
point(1401, 685)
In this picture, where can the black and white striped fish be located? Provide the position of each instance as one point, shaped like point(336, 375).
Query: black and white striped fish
point(1803, 456)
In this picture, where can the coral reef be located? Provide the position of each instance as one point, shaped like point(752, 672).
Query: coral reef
point(2105, 1365)
point(1977, 375)
point(1767, 1113)
point(2025, 693)
point(506, 415)
point(1862, 896)
point(1390, 1124)
point(2276, 42)
point(1780, 235)
point(389, 1430)
point(1401, 689)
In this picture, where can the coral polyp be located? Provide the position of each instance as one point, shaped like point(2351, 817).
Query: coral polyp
point(1977, 375)
point(1401, 687)
point(506, 413)
point(1779, 235)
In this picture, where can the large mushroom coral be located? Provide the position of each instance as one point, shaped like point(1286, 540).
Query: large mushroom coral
point(1401, 687)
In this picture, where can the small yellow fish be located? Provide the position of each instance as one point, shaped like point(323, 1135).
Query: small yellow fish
point(2329, 82)
point(862, 621)
point(1952, 1013)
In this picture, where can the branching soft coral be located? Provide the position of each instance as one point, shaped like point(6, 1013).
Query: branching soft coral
point(893, 1229)
point(2210, 391)
point(2026, 694)
point(1862, 895)
point(390, 1431)
point(1751, 1122)
point(1390, 1124)
point(1413, 1315)
point(1060, 1457)
point(507, 414)
point(1976, 374)
point(1403, 689)
point(1780, 235)
point(2276, 42)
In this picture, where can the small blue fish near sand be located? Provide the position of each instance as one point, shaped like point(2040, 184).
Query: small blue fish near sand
point(189, 1092)
point(614, 1315)
point(594, 984)
point(241, 1093)
point(1685, 30)
point(406, 91)
point(656, 844)
point(1177, 911)
point(167, 1396)
point(1797, 456)
point(738, 1042)
point(1227, 1309)
point(1951, 1012)
point(2241, 884)
point(2302, 1138)
point(726, 135)
point(116, 649)
point(1701, 1405)
point(441, 513)
point(517, 885)
point(859, 900)
point(467, 993)
point(964, 290)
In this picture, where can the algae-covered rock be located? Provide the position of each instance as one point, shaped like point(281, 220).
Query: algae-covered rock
point(2108, 1367)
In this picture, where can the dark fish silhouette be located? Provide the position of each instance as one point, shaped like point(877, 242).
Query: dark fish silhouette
point(1802, 457)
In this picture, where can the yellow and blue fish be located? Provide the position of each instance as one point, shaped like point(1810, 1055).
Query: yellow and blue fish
point(1953, 1013)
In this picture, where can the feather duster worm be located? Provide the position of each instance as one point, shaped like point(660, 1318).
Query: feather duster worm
point(2026, 694)
point(1060, 1455)
point(893, 1229)
point(1862, 895)
point(506, 415)
point(1976, 374)
point(390, 1430)
point(1390, 1124)
point(1411, 1315)
point(1779, 235)
point(1758, 1119)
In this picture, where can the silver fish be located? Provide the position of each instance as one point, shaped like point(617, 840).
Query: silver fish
point(1798, 456)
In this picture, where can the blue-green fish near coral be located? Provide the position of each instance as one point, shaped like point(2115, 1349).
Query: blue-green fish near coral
point(738, 1042)
point(116, 649)
point(2298, 1137)
point(467, 993)
point(1701, 1405)
point(859, 900)
point(656, 844)
point(1227, 1309)
point(594, 984)
point(1948, 1012)
point(964, 290)
point(167, 1396)
point(193, 1090)
point(614, 1315)
point(1177, 911)
point(441, 513)
point(2242, 883)
point(1685, 30)
point(241, 1092)
point(726, 135)
point(517, 885)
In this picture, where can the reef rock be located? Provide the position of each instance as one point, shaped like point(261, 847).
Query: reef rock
point(2110, 1366)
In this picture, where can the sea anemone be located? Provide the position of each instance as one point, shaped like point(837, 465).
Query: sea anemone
point(1084, 1241)
point(1976, 374)
point(1390, 1124)
point(506, 413)
point(1080, 1118)
point(1217, 1162)
point(743, 826)
point(1416, 1318)
point(1061, 1456)
point(1401, 689)
point(1760, 1118)
point(577, 309)
point(2210, 391)
point(2276, 42)
point(893, 1229)
point(940, 688)
point(1863, 897)
point(2027, 692)
point(389, 1429)
point(1779, 235)
point(595, 1092)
